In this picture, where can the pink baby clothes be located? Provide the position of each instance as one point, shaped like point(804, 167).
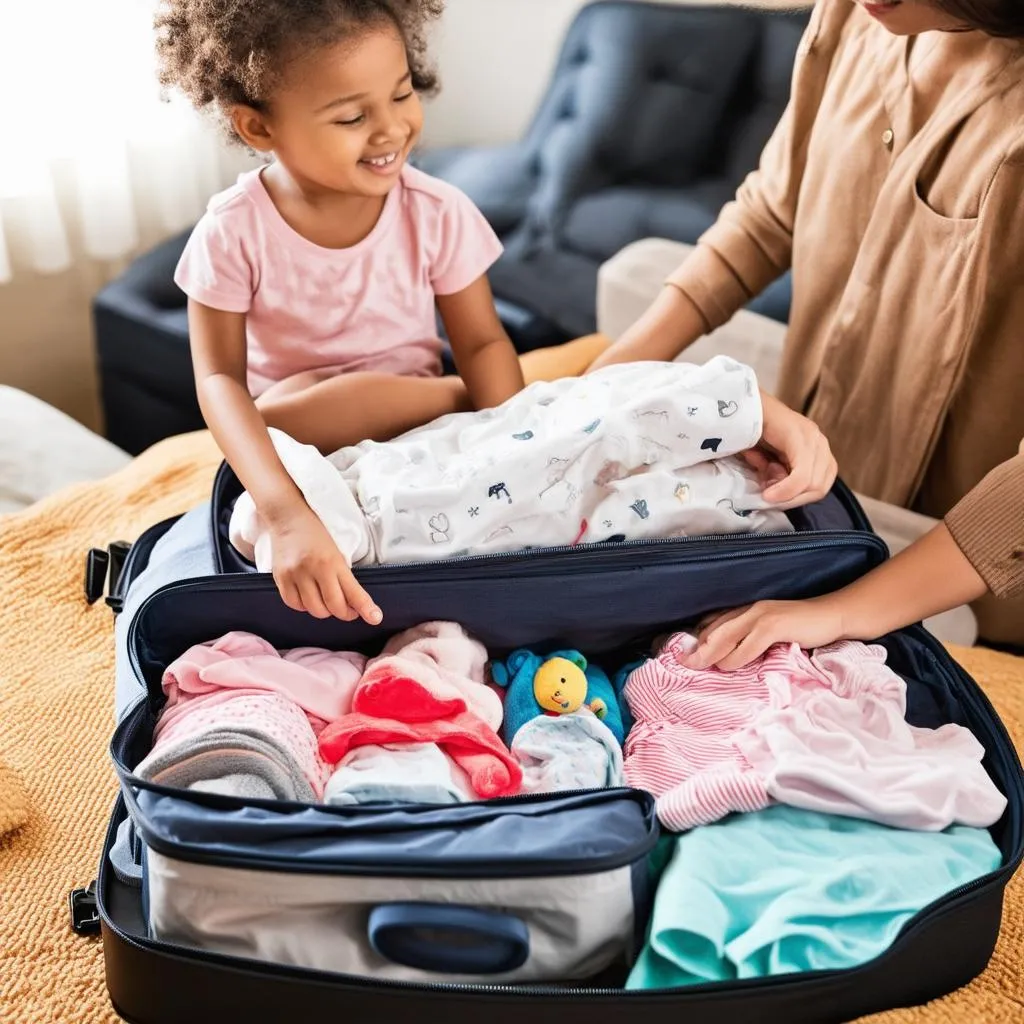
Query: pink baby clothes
point(275, 722)
point(318, 681)
point(367, 307)
point(680, 747)
point(849, 750)
point(825, 732)
point(430, 671)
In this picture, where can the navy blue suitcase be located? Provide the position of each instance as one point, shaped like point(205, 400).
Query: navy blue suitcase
point(182, 583)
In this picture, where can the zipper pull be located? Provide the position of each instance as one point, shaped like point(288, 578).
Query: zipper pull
point(117, 552)
point(96, 563)
point(84, 909)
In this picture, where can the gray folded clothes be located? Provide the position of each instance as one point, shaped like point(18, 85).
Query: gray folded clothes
point(230, 762)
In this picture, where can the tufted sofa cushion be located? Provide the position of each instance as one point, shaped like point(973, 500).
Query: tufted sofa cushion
point(141, 325)
point(638, 97)
point(654, 115)
point(501, 179)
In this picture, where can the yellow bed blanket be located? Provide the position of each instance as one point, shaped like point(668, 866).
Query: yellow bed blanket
point(56, 716)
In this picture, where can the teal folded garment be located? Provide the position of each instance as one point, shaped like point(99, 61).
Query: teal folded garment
point(785, 890)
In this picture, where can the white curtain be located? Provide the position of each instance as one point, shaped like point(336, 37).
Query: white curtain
point(92, 161)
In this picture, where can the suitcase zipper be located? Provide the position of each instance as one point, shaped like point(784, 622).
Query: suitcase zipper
point(536, 563)
point(595, 554)
point(738, 544)
point(638, 849)
point(846, 497)
point(590, 550)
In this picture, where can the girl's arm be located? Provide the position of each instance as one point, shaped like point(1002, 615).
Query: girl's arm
point(929, 577)
point(484, 356)
point(310, 571)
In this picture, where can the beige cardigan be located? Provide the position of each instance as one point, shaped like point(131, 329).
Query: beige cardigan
point(894, 187)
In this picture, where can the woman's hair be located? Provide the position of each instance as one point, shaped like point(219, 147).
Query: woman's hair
point(1003, 18)
point(233, 51)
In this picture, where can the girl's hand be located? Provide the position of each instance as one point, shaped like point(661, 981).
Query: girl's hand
point(733, 639)
point(793, 460)
point(312, 574)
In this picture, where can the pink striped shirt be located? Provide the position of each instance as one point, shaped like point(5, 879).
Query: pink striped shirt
point(824, 732)
point(680, 747)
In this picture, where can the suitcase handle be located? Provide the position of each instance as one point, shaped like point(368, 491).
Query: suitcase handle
point(448, 939)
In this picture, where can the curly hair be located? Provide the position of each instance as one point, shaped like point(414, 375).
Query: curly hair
point(226, 52)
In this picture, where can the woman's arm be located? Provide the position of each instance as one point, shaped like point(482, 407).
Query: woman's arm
point(309, 570)
point(930, 576)
point(988, 527)
point(978, 549)
point(484, 356)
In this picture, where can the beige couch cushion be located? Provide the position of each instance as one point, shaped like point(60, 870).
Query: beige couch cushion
point(42, 450)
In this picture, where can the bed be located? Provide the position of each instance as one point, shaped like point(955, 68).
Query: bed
point(56, 716)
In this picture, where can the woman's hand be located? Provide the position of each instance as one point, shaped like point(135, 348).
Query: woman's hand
point(312, 574)
point(931, 576)
point(733, 639)
point(793, 460)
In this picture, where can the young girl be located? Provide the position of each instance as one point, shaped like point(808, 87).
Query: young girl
point(312, 282)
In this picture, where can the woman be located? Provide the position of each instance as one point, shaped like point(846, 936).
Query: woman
point(893, 188)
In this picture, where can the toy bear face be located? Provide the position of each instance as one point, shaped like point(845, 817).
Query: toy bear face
point(560, 686)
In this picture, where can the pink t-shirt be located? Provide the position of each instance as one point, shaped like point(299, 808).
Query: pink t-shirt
point(368, 307)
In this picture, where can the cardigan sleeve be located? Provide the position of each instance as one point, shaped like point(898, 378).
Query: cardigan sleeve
point(988, 522)
point(988, 526)
point(751, 243)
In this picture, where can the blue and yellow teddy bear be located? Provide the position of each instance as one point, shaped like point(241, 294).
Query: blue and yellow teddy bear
point(555, 684)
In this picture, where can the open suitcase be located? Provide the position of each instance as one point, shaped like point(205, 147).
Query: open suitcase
point(389, 894)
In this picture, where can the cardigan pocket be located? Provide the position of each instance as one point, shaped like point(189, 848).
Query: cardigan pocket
point(946, 246)
point(941, 223)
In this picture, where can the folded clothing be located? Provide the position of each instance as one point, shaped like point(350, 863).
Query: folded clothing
point(416, 773)
point(825, 731)
point(472, 744)
point(239, 761)
point(242, 718)
point(319, 681)
point(428, 672)
point(567, 752)
point(629, 452)
point(785, 890)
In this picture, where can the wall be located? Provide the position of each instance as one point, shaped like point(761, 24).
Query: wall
point(495, 57)
point(46, 340)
